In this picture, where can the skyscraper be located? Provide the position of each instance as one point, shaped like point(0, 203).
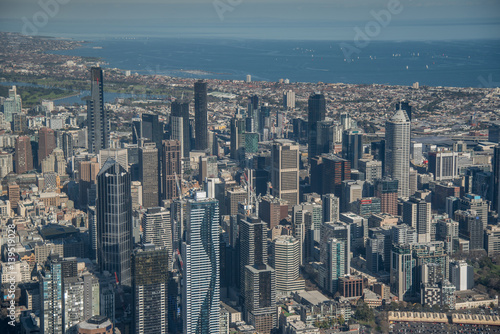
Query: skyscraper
point(180, 125)
point(24, 155)
point(200, 115)
point(352, 146)
point(201, 282)
point(98, 121)
point(252, 243)
point(404, 105)
point(496, 179)
point(289, 99)
point(152, 129)
point(12, 105)
point(443, 165)
point(237, 137)
point(285, 171)
point(387, 190)
point(417, 214)
point(114, 220)
point(46, 143)
point(397, 151)
point(402, 267)
point(51, 296)
point(327, 173)
point(285, 257)
point(157, 228)
point(316, 113)
point(335, 264)
point(260, 297)
point(148, 174)
point(150, 286)
point(172, 168)
point(331, 208)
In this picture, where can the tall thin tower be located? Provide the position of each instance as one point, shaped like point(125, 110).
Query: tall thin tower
point(114, 220)
point(201, 277)
point(316, 113)
point(200, 115)
point(397, 151)
point(97, 116)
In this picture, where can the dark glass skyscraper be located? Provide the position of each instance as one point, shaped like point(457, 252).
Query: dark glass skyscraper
point(150, 286)
point(114, 220)
point(316, 113)
point(200, 115)
point(181, 109)
point(97, 117)
point(352, 146)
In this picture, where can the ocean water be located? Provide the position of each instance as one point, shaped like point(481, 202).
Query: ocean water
point(470, 63)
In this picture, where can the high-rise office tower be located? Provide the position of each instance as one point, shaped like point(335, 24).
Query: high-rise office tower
point(114, 220)
point(67, 145)
point(417, 214)
point(351, 191)
point(200, 115)
point(352, 146)
point(402, 267)
point(23, 156)
point(88, 171)
point(120, 155)
point(285, 171)
point(253, 245)
point(237, 138)
point(46, 143)
point(404, 105)
point(200, 252)
point(80, 299)
point(13, 194)
point(346, 121)
point(260, 297)
point(289, 99)
point(316, 113)
point(476, 203)
point(371, 168)
point(397, 151)
point(496, 179)
point(150, 286)
point(327, 173)
point(6, 164)
point(148, 175)
point(494, 132)
point(341, 232)
point(285, 254)
point(387, 190)
point(12, 105)
point(335, 264)
point(443, 165)
point(152, 129)
point(51, 296)
point(157, 228)
point(403, 234)
point(172, 168)
point(331, 208)
point(461, 275)
point(180, 125)
point(447, 231)
point(470, 227)
point(98, 121)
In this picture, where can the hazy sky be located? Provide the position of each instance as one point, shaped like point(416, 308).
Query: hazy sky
point(299, 19)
